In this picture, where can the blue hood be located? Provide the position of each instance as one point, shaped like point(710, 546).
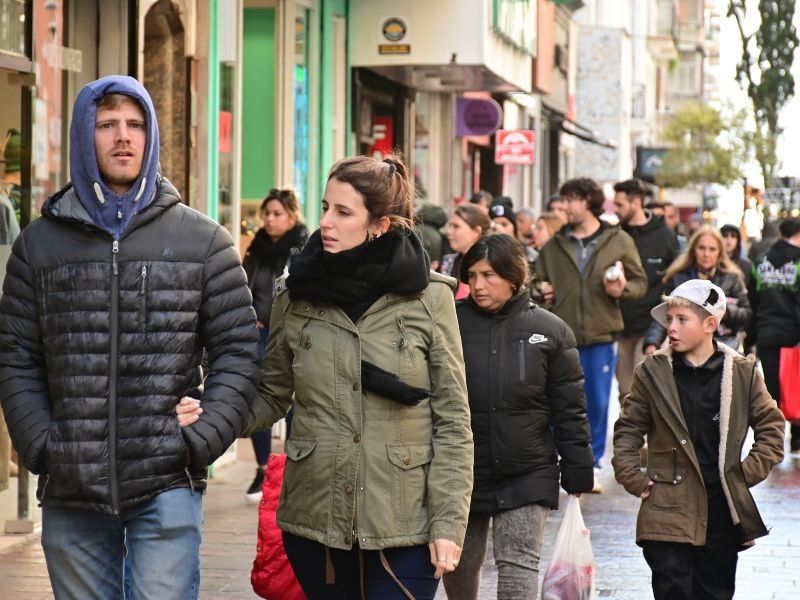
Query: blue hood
point(109, 211)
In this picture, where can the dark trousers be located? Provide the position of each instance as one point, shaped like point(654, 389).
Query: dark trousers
point(412, 566)
point(687, 572)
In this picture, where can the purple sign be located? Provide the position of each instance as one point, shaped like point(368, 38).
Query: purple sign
point(477, 116)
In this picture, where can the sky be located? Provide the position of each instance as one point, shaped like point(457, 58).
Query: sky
point(730, 52)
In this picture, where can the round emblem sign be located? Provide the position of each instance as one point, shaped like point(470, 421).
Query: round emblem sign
point(394, 29)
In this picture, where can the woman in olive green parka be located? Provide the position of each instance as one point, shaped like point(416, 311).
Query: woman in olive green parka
point(365, 341)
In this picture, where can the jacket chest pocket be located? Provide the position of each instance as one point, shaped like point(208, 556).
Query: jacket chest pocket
point(141, 299)
point(527, 359)
point(410, 353)
point(410, 466)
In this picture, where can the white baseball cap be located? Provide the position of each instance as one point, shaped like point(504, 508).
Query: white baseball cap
point(705, 294)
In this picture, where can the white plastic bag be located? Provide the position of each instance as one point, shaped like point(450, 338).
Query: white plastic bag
point(570, 574)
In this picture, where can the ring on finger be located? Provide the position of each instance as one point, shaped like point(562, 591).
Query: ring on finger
point(454, 562)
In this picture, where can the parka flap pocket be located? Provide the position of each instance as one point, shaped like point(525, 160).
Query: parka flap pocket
point(410, 457)
point(664, 467)
point(665, 475)
point(298, 449)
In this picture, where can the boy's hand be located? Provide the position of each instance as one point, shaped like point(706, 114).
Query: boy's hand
point(646, 494)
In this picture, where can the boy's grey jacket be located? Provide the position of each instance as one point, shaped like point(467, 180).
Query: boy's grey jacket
point(677, 509)
point(100, 339)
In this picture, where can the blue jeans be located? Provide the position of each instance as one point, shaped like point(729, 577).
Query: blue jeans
point(84, 549)
point(598, 362)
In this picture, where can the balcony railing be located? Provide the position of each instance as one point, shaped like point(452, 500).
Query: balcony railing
point(667, 19)
point(12, 26)
point(663, 41)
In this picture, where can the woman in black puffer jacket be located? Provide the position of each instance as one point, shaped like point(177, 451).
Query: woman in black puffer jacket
point(705, 258)
point(527, 402)
point(281, 236)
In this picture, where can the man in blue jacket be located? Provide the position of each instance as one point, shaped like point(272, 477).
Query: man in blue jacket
point(109, 301)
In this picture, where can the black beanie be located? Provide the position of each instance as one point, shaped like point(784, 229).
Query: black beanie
point(502, 206)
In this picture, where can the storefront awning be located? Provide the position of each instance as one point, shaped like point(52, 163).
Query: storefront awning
point(586, 134)
point(446, 78)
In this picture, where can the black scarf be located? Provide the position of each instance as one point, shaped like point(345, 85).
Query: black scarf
point(354, 279)
point(263, 246)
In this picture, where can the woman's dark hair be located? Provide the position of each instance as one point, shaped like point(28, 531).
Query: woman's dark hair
point(727, 230)
point(288, 200)
point(504, 253)
point(585, 189)
point(384, 185)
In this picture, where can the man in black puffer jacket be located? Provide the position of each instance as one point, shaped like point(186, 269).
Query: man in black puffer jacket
point(108, 304)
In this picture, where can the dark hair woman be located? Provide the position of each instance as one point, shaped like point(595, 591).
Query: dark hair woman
point(732, 239)
point(468, 224)
point(705, 258)
point(282, 234)
point(528, 408)
point(364, 338)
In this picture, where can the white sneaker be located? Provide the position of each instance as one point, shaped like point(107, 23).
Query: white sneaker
point(598, 487)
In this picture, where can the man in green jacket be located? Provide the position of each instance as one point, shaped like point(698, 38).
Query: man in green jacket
point(590, 267)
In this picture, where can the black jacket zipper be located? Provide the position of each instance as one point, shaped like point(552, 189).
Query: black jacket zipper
point(143, 299)
point(112, 379)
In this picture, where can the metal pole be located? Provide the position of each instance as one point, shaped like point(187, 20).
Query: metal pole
point(23, 524)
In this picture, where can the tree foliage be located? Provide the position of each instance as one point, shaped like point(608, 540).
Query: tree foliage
point(765, 71)
point(705, 147)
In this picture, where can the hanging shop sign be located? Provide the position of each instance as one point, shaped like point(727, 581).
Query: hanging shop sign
point(515, 147)
point(477, 116)
point(394, 30)
point(383, 134)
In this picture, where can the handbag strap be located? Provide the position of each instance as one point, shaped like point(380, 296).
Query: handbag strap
point(388, 569)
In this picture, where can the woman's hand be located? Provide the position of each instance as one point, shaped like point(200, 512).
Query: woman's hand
point(444, 556)
point(188, 411)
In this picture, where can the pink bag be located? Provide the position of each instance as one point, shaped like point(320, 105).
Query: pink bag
point(570, 574)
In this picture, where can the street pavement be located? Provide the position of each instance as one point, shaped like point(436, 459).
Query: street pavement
point(770, 571)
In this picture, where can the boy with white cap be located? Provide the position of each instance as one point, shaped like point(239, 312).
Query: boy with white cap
point(695, 401)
